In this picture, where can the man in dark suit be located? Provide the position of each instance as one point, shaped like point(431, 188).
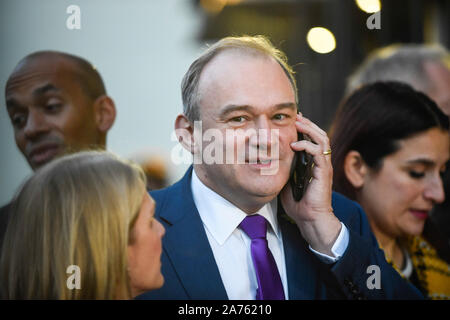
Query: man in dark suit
point(233, 228)
point(57, 104)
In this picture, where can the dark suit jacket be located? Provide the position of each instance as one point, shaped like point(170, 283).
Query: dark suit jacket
point(190, 270)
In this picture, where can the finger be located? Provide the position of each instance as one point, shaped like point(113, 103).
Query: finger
point(313, 149)
point(305, 120)
point(316, 136)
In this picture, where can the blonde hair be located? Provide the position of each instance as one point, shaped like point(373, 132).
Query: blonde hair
point(256, 44)
point(77, 210)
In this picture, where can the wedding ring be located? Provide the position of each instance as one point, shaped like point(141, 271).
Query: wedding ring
point(327, 152)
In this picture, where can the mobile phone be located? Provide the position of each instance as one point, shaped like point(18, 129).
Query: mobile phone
point(301, 171)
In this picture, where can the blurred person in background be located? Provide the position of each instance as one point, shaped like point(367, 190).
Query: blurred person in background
point(90, 210)
point(390, 147)
point(424, 67)
point(155, 169)
point(57, 104)
point(427, 69)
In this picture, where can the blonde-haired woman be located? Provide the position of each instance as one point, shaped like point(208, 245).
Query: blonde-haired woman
point(89, 210)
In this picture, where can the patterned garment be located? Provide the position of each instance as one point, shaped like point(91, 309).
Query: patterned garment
point(431, 274)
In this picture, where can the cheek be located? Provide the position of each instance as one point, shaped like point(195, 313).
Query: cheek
point(286, 137)
point(20, 140)
point(66, 122)
point(405, 190)
point(394, 193)
point(286, 154)
point(155, 241)
point(145, 254)
point(152, 244)
point(75, 126)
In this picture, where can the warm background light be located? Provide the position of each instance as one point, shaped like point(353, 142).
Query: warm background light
point(215, 6)
point(233, 2)
point(369, 6)
point(321, 40)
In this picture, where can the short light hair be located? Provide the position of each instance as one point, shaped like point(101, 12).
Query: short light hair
point(397, 62)
point(254, 44)
point(77, 210)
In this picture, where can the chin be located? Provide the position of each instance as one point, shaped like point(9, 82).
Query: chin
point(415, 229)
point(264, 187)
point(159, 282)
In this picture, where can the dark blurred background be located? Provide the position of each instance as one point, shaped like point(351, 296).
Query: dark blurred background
point(322, 76)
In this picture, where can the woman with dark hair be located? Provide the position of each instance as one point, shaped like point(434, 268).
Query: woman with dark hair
point(390, 146)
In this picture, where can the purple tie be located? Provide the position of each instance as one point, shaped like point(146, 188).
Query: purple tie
point(269, 281)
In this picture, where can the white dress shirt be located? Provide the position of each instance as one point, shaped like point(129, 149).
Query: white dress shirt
point(231, 246)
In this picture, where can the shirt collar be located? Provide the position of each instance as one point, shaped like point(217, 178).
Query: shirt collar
point(220, 216)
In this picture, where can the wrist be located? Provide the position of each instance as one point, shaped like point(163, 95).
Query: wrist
point(321, 233)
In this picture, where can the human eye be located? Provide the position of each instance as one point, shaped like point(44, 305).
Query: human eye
point(18, 120)
point(238, 119)
point(280, 116)
point(416, 174)
point(53, 107)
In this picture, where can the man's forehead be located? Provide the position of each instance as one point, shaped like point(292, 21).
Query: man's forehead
point(234, 58)
point(240, 76)
point(40, 71)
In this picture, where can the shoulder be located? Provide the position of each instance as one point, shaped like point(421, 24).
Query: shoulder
point(164, 197)
point(344, 208)
point(174, 200)
point(350, 213)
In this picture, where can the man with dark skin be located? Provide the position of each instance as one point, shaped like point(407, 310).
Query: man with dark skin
point(57, 104)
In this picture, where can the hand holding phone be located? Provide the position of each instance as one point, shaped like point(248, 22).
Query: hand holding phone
point(301, 171)
point(311, 181)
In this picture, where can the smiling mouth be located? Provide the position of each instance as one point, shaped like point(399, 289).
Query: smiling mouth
point(260, 163)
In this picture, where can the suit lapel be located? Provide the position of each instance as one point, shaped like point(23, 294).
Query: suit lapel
point(187, 246)
point(300, 265)
point(190, 254)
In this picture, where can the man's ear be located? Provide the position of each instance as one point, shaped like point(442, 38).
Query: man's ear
point(184, 131)
point(105, 113)
point(355, 168)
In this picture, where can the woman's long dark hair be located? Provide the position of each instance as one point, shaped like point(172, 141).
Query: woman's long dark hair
point(372, 121)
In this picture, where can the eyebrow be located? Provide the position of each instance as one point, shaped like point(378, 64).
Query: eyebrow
point(232, 108)
point(44, 89)
point(424, 161)
point(12, 103)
